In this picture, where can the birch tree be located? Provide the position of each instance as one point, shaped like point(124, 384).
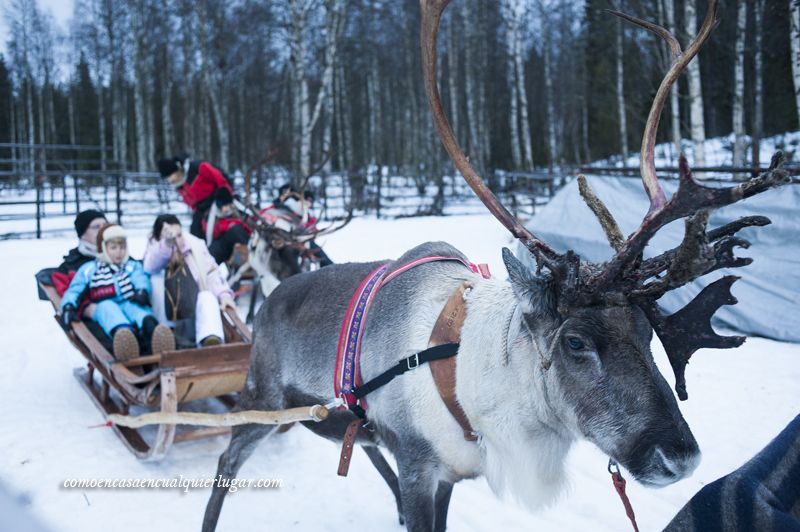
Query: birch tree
point(623, 125)
point(214, 69)
point(519, 66)
point(674, 103)
point(738, 86)
point(795, 39)
point(306, 117)
point(758, 82)
point(512, 29)
point(21, 16)
point(548, 87)
point(696, 119)
point(137, 17)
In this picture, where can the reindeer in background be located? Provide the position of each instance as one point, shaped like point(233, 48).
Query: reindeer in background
point(543, 359)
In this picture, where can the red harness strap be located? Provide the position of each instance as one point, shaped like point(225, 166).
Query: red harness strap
point(347, 374)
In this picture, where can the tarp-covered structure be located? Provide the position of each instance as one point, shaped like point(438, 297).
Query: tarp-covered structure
point(769, 288)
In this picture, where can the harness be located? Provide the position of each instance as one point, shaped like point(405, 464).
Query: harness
point(442, 348)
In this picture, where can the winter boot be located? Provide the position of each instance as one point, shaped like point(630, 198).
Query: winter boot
point(210, 340)
point(126, 346)
point(156, 337)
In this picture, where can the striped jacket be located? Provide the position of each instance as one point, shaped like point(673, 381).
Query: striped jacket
point(100, 280)
point(762, 495)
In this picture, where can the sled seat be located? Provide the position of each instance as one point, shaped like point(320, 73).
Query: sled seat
point(178, 377)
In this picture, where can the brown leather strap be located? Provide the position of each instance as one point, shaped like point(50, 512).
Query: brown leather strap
point(347, 446)
point(448, 330)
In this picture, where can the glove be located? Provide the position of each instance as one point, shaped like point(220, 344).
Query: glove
point(68, 315)
point(226, 301)
point(141, 297)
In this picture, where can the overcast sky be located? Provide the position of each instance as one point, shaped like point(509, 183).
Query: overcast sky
point(61, 10)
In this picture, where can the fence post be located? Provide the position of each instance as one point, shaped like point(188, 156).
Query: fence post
point(378, 195)
point(77, 194)
point(39, 182)
point(119, 197)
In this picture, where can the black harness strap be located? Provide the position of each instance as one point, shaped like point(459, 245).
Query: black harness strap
point(406, 364)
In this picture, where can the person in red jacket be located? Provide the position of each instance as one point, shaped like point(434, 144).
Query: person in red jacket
point(196, 182)
point(227, 229)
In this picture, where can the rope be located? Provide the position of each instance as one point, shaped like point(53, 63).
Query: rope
point(619, 485)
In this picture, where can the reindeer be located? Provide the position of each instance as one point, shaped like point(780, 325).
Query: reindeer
point(543, 359)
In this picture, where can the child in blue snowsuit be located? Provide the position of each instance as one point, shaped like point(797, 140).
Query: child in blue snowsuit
point(121, 289)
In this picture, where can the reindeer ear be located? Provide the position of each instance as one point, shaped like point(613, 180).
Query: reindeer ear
point(533, 292)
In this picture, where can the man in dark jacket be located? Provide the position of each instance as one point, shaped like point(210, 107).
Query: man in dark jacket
point(196, 182)
point(87, 224)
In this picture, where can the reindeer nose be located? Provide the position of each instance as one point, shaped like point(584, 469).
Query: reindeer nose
point(668, 467)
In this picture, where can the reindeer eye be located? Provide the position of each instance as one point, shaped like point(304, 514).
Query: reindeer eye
point(575, 343)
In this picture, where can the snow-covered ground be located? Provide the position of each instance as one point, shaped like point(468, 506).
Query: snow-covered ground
point(740, 399)
point(718, 151)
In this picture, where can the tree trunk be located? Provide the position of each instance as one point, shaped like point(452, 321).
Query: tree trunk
point(101, 122)
point(343, 121)
point(473, 89)
point(525, 125)
point(674, 103)
point(548, 90)
point(511, 71)
point(758, 85)
point(70, 114)
point(375, 111)
point(139, 87)
point(452, 70)
point(623, 123)
point(697, 121)
point(795, 38)
point(302, 106)
point(167, 128)
point(738, 87)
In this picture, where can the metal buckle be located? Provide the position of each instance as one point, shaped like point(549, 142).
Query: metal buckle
point(414, 359)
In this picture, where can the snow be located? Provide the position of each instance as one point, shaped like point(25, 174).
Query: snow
point(739, 400)
point(718, 151)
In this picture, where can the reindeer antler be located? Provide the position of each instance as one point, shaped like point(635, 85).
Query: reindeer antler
point(270, 154)
point(700, 252)
point(431, 15)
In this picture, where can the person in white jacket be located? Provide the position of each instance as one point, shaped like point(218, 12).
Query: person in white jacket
point(194, 288)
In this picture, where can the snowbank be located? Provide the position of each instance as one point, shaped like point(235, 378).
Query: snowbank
point(740, 399)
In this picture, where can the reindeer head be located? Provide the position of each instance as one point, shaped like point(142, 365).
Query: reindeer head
point(277, 248)
point(597, 320)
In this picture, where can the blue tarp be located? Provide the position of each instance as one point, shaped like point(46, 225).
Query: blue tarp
point(769, 288)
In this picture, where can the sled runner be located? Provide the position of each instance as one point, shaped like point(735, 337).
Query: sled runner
point(171, 378)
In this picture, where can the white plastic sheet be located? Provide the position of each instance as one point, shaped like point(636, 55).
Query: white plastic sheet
point(769, 288)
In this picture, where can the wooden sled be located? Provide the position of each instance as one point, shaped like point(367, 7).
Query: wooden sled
point(172, 379)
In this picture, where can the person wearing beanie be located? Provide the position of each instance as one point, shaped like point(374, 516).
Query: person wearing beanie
point(196, 182)
point(224, 227)
point(120, 289)
point(87, 224)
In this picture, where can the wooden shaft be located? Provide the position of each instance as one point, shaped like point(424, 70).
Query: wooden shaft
point(275, 417)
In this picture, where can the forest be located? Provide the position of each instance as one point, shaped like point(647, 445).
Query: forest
point(527, 84)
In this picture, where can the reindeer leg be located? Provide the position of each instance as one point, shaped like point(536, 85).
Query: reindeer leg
point(244, 439)
point(383, 467)
point(251, 312)
point(442, 503)
point(418, 482)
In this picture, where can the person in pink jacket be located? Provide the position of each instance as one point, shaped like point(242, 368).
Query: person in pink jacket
point(194, 288)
